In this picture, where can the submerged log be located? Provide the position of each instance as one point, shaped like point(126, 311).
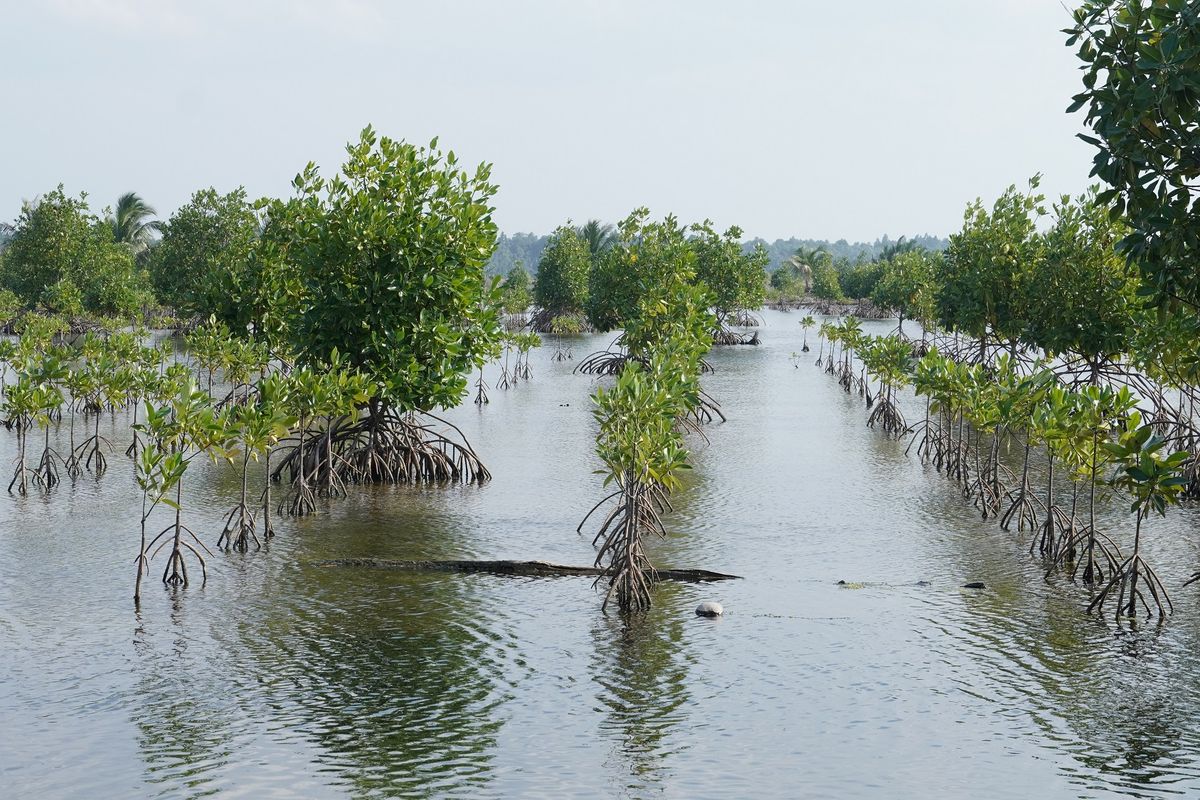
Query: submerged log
point(525, 569)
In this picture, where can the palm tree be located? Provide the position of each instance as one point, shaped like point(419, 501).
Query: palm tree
point(130, 224)
point(893, 249)
point(803, 261)
point(599, 237)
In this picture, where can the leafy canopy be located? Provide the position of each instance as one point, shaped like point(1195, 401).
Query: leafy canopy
point(736, 280)
point(1083, 298)
point(645, 256)
point(1141, 78)
point(515, 294)
point(982, 278)
point(561, 286)
point(390, 255)
point(201, 266)
point(63, 256)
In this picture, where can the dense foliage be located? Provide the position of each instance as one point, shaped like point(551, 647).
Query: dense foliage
point(825, 282)
point(736, 280)
point(515, 294)
point(64, 258)
point(390, 255)
point(202, 265)
point(646, 255)
point(1142, 94)
point(906, 285)
point(561, 285)
point(981, 280)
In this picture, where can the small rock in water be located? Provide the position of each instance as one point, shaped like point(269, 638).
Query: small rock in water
point(841, 583)
point(974, 585)
point(709, 609)
point(924, 583)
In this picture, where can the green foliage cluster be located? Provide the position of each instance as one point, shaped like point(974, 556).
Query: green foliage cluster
point(1064, 290)
point(390, 258)
point(982, 278)
point(735, 279)
point(1141, 91)
point(825, 282)
point(515, 293)
point(1082, 297)
point(64, 258)
point(646, 255)
point(561, 285)
point(906, 285)
point(202, 265)
point(859, 280)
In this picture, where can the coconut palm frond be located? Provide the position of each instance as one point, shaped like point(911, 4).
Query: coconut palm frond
point(599, 237)
point(130, 222)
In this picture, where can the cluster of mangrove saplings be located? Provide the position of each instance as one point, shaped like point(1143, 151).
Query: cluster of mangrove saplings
point(514, 363)
point(1041, 332)
point(317, 429)
point(595, 277)
point(1101, 437)
point(347, 315)
point(644, 415)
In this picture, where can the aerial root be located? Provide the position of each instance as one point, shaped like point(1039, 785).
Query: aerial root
point(888, 416)
point(1088, 556)
point(1023, 508)
point(239, 530)
point(388, 448)
point(1125, 582)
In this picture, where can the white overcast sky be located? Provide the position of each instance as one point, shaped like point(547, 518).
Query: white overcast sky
point(792, 118)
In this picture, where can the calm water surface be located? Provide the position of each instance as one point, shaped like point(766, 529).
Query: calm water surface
point(281, 678)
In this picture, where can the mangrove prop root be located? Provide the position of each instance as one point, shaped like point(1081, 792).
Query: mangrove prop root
point(1130, 583)
point(1053, 533)
point(888, 416)
point(1089, 556)
point(383, 447)
point(621, 558)
point(175, 572)
point(239, 530)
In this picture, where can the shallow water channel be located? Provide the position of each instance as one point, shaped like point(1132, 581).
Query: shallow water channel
point(281, 678)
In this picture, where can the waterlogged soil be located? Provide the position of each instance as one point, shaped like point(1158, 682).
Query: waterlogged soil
point(285, 678)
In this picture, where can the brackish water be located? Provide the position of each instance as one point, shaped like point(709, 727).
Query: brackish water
point(284, 679)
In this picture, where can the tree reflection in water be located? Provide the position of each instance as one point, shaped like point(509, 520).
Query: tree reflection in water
point(641, 669)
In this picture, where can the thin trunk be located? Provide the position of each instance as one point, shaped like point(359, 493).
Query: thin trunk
point(268, 532)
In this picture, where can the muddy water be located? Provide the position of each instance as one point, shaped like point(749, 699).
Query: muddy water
point(282, 678)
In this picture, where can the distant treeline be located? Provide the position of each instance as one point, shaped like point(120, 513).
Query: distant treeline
point(526, 249)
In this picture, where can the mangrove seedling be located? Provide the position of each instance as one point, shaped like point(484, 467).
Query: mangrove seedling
point(1154, 481)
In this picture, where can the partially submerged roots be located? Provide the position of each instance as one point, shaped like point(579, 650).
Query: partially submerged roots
point(239, 530)
point(46, 474)
point(481, 387)
point(606, 362)
point(175, 573)
point(728, 336)
point(888, 416)
point(743, 319)
point(611, 362)
point(1089, 556)
point(382, 447)
point(1130, 582)
point(1054, 532)
point(621, 556)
